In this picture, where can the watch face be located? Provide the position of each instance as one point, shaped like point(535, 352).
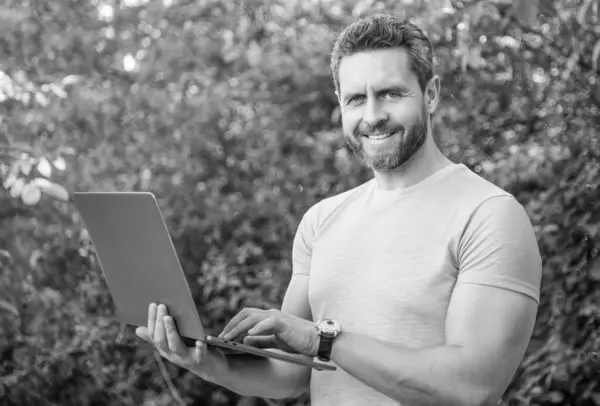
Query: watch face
point(330, 327)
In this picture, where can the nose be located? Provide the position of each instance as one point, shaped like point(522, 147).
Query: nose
point(374, 115)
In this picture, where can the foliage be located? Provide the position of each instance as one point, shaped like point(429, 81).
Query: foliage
point(226, 112)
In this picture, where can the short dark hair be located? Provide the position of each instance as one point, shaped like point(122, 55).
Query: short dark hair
point(382, 31)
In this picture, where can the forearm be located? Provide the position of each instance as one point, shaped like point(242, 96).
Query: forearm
point(429, 376)
point(264, 377)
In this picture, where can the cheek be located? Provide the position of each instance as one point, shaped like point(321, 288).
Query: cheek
point(406, 113)
point(350, 120)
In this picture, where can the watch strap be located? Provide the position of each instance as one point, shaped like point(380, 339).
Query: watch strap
point(325, 346)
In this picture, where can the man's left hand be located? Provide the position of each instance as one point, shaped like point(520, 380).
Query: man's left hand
point(297, 333)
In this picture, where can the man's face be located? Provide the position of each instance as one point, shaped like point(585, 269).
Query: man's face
point(383, 109)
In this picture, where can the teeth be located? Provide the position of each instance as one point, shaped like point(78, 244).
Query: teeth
point(379, 137)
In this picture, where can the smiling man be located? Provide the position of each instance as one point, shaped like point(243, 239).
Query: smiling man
point(421, 285)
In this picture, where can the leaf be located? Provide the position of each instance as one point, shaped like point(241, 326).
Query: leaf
point(44, 167)
point(17, 147)
point(583, 11)
point(17, 187)
point(547, 8)
point(9, 307)
point(66, 150)
point(10, 18)
point(526, 11)
point(556, 397)
point(596, 55)
point(10, 180)
point(51, 189)
point(71, 80)
point(34, 257)
point(59, 91)
point(476, 61)
point(59, 163)
point(31, 194)
point(550, 228)
point(594, 272)
point(41, 183)
point(58, 192)
point(41, 99)
point(24, 166)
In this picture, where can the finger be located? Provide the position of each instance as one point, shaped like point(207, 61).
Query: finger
point(173, 340)
point(261, 341)
point(160, 335)
point(151, 319)
point(266, 326)
point(245, 325)
point(142, 332)
point(236, 320)
point(199, 353)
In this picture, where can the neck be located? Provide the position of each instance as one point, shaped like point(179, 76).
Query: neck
point(424, 163)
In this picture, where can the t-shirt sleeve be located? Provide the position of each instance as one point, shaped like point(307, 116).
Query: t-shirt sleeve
point(499, 248)
point(302, 246)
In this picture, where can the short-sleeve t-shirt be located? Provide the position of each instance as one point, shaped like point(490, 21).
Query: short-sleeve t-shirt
point(385, 263)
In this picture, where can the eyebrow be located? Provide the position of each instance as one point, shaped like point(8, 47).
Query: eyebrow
point(400, 88)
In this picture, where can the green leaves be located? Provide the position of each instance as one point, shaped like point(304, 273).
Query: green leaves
point(526, 11)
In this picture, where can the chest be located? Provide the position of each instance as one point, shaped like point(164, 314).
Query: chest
point(385, 272)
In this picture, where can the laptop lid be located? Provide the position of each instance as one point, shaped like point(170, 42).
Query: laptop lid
point(137, 257)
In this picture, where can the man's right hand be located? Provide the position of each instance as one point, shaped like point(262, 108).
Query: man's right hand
point(267, 342)
point(207, 362)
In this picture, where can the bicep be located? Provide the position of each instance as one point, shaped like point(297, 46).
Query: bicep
point(494, 304)
point(493, 326)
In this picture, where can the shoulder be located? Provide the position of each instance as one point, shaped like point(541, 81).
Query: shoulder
point(480, 205)
point(498, 246)
point(472, 187)
point(467, 194)
point(479, 200)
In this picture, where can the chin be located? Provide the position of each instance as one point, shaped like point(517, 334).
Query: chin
point(384, 165)
point(387, 162)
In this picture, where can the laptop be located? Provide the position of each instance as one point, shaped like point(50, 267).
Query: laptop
point(140, 265)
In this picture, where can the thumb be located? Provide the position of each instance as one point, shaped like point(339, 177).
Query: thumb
point(261, 341)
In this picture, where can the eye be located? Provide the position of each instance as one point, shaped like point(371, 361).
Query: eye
point(355, 99)
point(393, 95)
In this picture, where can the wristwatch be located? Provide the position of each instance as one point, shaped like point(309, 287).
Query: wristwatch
point(328, 330)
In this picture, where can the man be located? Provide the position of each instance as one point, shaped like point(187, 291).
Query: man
point(432, 273)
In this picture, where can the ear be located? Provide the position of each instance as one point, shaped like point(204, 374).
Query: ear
point(432, 94)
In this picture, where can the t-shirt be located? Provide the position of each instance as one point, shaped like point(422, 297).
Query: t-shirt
point(385, 263)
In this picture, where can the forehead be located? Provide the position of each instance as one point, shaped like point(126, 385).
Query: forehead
point(376, 68)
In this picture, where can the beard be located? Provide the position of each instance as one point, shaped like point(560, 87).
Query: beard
point(384, 159)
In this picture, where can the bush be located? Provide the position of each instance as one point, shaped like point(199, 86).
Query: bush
point(227, 114)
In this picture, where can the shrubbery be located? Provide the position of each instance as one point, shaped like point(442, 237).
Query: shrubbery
point(227, 114)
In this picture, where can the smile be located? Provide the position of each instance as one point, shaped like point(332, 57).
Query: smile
point(377, 137)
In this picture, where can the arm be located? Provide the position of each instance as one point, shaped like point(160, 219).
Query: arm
point(489, 323)
point(270, 378)
point(488, 330)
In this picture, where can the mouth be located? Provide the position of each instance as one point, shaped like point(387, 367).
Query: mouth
point(378, 137)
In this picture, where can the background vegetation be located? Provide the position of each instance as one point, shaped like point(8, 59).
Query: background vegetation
point(225, 110)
